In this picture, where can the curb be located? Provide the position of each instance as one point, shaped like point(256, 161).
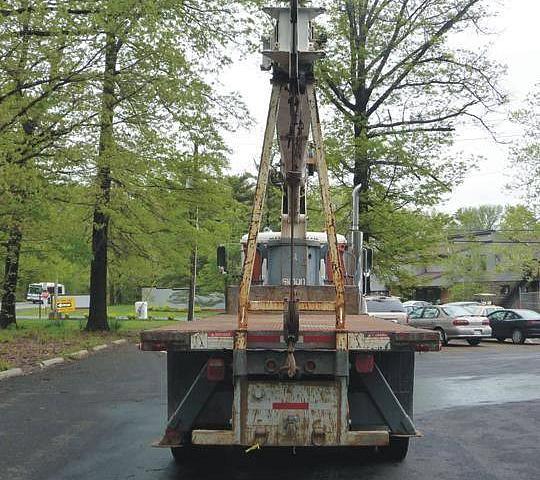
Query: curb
point(51, 361)
point(15, 372)
point(80, 354)
point(12, 372)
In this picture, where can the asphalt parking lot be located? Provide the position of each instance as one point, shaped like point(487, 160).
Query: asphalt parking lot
point(478, 408)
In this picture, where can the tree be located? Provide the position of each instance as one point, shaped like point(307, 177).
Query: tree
point(38, 93)
point(521, 254)
point(484, 217)
point(148, 81)
point(525, 153)
point(397, 87)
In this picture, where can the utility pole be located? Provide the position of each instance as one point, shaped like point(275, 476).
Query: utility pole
point(193, 277)
point(194, 253)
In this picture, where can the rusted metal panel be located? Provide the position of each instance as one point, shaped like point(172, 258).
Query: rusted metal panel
point(212, 340)
point(179, 336)
point(307, 306)
point(291, 413)
point(213, 437)
point(365, 438)
point(308, 293)
point(256, 213)
point(369, 341)
point(327, 207)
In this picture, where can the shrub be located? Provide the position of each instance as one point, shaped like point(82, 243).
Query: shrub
point(115, 324)
point(4, 365)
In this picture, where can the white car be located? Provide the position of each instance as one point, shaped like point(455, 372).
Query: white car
point(388, 308)
point(452, 322)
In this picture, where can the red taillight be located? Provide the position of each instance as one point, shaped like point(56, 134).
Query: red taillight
point(533, 322)
point(310, 366)
point(271, 366)
point(215, 369)
point(460, 321)
point(364, 363)
point(485, 322)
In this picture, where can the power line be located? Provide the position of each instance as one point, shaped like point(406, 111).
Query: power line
point(505, 242)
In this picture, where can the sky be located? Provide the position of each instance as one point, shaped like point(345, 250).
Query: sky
point(514, 44)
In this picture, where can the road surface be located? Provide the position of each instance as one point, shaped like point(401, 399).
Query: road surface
point(478, 407)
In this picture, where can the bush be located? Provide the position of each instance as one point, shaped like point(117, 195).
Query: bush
point(166, 308)
point(4, 365)
point(115, 324)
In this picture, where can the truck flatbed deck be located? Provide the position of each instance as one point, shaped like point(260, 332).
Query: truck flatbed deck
point(317, 331)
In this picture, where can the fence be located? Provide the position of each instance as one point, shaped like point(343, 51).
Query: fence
point(178, 298)
point(529, 300)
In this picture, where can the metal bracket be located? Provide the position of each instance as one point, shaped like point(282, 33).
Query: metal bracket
point(387, 403)
point(327, 206)
point(256, 213)
point(191, 405)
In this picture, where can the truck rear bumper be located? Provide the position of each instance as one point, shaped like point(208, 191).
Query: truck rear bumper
point(351, 439)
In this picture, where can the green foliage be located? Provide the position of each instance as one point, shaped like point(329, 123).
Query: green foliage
point(472, 261)
point(463, 291)
point(396, 87)
point(525, 153)
point(5, 365)
point(518, 226)
point(484, 217)
point(165, 156)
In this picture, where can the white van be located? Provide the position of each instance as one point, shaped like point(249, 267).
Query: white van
point(36, 290)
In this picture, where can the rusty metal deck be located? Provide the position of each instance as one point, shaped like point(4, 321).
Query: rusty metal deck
point(263, 328)
point(274, 322)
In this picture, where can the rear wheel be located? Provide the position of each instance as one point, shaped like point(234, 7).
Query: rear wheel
point(474, 341)
point(501, 339)
point(518, 337)
point(182, 455)
point(444, 338)
point(396, 451)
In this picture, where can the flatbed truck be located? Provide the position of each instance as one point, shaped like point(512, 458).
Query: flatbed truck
point(295, 362)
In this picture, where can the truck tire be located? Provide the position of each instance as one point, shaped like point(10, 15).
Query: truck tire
point(182, 455)
point(396, 451)
point(474, 341)
point(518, 337)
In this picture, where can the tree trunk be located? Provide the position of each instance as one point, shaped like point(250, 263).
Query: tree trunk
point(97, 318)
point(357, 14)
point(192, 285)
point(11, 272)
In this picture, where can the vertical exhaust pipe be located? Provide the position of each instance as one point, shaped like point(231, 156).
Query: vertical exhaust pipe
point(357, 241)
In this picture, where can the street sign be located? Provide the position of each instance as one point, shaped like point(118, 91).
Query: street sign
point(65, 304)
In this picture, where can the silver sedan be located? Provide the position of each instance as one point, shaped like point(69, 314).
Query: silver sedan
point(452, 321)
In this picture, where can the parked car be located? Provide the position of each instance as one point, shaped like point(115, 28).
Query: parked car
point(467, 305)
point(516, 324)
point(452, 322)
point(483, 310)
point(389, 308)
point(416, 303)
point(411, 305)
point(410, 308)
